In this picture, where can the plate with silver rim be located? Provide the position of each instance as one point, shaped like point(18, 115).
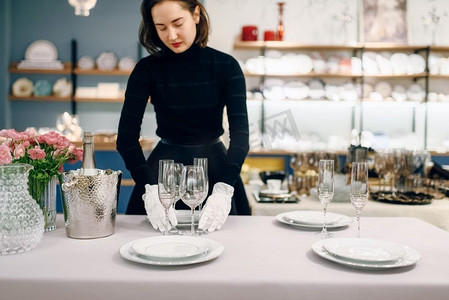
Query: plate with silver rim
point(410, 258)
point(214, 249)
point(364, 250)
point(313, 219)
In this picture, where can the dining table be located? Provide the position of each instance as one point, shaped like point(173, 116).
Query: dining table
point(436, 212)
point(262, 258)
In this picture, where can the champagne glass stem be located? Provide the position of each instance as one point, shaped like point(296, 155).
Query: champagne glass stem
point(358, 222)
point(324, 231)
point(192, 221)
point(167, 222)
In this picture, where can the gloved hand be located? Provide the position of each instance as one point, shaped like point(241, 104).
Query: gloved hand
point(217, 207)
point(155, 210)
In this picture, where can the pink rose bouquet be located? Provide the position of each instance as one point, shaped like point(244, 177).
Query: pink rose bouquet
point(47, 153)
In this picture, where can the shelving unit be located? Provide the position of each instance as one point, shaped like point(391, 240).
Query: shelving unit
point(73, 71)
point(357, 50)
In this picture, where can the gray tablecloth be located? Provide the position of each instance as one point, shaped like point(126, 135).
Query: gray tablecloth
point(263, 259)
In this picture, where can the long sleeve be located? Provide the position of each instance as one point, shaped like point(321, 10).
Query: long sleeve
point(136, 99)
point(235, 101)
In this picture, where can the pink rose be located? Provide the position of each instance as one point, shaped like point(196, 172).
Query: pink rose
point(62, 143)
point(5, 155)
point(19, 151)
point(51, 138)
point(36, 153)
point(12, 134)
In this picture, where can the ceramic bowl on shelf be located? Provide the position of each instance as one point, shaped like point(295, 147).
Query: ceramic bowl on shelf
point(42, 88)
point(107, 61)
point(22, 87)
point(86, 63)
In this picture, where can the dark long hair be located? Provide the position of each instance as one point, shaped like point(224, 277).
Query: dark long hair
point(148, 36)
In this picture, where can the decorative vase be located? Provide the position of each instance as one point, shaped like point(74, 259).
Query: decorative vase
point(21, 219)
point(44, 192)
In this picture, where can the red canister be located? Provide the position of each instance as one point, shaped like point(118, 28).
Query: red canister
point(269, 35)
point(249, 33)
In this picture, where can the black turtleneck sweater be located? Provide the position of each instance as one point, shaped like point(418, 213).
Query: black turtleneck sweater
point(189, 91)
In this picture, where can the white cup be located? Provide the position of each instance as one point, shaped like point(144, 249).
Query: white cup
point(274, 184)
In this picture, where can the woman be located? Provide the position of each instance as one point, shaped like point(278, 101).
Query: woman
point(189, 84)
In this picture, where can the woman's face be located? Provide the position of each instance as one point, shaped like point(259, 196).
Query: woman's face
point(175, 25)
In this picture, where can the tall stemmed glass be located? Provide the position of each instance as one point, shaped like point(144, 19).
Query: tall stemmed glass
point(192, 189)
point(325, 189)
point(166, 188)
point(359, 189)
point(178, 167)
point(203, 163)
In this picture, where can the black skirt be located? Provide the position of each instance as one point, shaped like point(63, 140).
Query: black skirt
point(214, 151)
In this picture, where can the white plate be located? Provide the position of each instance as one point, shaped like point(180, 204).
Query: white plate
point(170, 247)
point(215, 250)
point(383, 88)
point(417, 64)
point(284, 218)
point(411, 257)
point(364, 250)
point(312, 217)
point(41, 50)
point(399, 62)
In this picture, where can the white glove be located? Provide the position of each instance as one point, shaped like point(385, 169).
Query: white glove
point(155, 210)
point(217, 207)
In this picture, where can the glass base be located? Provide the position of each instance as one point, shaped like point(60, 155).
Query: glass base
point(324, 234)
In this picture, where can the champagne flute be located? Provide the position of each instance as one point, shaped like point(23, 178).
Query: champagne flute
point(192, 190)
point(178, 167)
point(166, 189)
point(325, 190)
point(359, 189)
point(203, 163)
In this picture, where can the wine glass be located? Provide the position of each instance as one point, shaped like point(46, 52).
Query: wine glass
point(359, 189)
point(203, 163)
point(178, 167)
point(325, 189)
point(166, 188)
point(192, 190)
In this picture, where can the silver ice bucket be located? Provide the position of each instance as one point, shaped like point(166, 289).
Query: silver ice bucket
point(90, 203)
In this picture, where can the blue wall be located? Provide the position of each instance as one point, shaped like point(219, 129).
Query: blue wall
point(111, 26)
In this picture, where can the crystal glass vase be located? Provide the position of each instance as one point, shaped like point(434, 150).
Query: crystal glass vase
point(21, 219)
point(44, 192)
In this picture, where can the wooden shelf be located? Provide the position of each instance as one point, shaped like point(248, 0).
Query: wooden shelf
point(258, 45)
point(102, 100)
point(40, 98)
point(66, 70)
point(418, 75)
point(439, 48)
point(435, 76)
point(311, 74)
point(393, 47)
point(102, 72)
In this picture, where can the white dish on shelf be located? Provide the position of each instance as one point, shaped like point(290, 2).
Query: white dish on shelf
point(417, 64)
point(410, 257)
point(383, 88)
point(107, 61)
point(255, 65)
point(364, 250)
point(384, 64)
point(41, 50)
point(215, 249)
point(400, 63)
point(126, 63)
point(274, 89)
point(86, 63)
point(399, 93)
point(22, 87)
point(369, 63)
point(296, 90)
point(416, 93)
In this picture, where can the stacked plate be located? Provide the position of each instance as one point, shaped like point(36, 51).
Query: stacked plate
point(171, 250)
point(366, 253)
point(313, 219)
